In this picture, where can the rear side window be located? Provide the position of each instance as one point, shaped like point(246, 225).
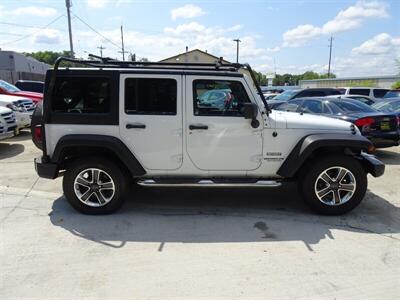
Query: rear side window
point(311, 93)
point(150, 96)
point(379, 93)
point(364, 92)
point(81, 95)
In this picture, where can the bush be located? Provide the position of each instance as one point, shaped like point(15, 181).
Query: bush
point(396, 85)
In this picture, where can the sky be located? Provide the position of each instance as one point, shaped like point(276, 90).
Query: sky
point(285, 36)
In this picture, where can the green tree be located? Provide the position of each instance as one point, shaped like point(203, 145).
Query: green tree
point(48, 57)
point(261, 78)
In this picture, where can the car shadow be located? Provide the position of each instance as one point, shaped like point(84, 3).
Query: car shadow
point(222, 216)
point(8, 150)
point(388, 157)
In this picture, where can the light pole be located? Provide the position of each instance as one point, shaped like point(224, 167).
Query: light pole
point(237, 49)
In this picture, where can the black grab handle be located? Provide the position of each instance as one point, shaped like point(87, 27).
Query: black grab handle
point(140, 126)
point(198, 127)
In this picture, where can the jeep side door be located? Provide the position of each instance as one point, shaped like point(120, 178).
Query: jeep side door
point(151, 119)
point(218, 137)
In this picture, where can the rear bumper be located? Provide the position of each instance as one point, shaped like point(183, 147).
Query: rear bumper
point(383, 140)
point(372, 165)
point(46, 169)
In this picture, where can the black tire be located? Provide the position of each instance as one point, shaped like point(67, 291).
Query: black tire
point(112, 169)
point(37, 120)
point(310, 175)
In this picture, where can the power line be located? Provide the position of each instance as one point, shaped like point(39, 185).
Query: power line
point(33, 33)
point(94, 30)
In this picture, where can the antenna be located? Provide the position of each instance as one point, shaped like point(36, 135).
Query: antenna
point(330, 57)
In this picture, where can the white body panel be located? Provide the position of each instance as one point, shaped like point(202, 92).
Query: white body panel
point(230, 146)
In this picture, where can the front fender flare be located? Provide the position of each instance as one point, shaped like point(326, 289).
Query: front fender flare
point(307, 145)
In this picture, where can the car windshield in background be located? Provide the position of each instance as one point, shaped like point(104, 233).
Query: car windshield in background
point(388, 106)
point(286, 95)
point(8, 87)
point(348, 106)
point(392, 94)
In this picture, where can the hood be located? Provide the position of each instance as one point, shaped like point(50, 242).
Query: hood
point(4, 110)
point(296, 120)
point(35, 97)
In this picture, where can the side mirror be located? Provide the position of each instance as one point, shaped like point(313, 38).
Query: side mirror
point(250, 111)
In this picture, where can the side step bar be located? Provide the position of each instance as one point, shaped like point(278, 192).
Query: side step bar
point(208, 183)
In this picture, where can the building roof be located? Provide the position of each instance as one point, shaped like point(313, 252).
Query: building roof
point(194, 50)
point(354, 78)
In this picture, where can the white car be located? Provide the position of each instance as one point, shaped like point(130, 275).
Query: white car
point(8, 123)
point(371, 92)
point(123, 124)
point(22, 107)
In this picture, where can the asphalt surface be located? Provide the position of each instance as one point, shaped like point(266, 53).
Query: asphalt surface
point(194, 243)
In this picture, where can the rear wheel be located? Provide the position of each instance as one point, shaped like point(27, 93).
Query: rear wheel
point(334, 185)
point(94, 186)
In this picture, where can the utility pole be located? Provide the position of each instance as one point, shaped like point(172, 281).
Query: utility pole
point(122, 42)
point(101, 50)
point(330, 56)
point(71, 46)
point(237, 49)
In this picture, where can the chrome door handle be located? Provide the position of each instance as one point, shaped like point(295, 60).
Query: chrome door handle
point(137, 125)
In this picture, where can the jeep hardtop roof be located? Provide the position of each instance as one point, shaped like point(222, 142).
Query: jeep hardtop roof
point(97, 63)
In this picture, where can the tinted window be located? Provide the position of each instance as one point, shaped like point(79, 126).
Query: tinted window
point(8, 87)
point(364, 92)
point(311, 93)
point(348, 106)
point(362, 99)
point(312, 106)
point(334, 92)
point(379, 93)
point(150, 96)
point(392, 94)
point(77, 95)
point(218, 98)
point(292, 106)
point(389, 106)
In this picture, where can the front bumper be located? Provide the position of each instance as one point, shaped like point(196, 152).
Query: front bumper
point(372, 165)
point(46, 169)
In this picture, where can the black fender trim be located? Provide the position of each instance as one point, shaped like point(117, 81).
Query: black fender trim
point(372, 165)
point(307, 145)
point(103, 141)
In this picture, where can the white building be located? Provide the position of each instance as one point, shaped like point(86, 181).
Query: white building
point(372, 81)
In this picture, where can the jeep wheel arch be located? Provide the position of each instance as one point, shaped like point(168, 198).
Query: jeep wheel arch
point(109, 143)
point(309, 145)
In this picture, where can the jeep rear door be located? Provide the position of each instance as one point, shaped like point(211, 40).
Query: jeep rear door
point(151, 119)
point(218, 137)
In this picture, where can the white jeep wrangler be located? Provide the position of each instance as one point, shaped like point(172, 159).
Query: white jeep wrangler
point(116, 124)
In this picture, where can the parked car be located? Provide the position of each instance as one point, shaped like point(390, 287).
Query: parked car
point(364, 99)
point(380, 127)
point(8, 123)
point(120, 124)
point(300, 93)
point(9, 89)
point(371, 92)
point(22, 107)
point(388, 105)
point(392, 94)
point(270, 96)
point(30, 85)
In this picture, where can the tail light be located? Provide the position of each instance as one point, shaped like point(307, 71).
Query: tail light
point(38, 132)
point(398, 121)
point(364, 121)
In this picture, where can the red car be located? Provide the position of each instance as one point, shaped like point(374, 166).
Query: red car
point(9, 89)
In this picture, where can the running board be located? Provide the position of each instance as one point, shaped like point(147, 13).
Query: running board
point(208, 183)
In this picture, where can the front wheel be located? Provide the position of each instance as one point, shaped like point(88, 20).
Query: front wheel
point(334, 185)
point(94, 185)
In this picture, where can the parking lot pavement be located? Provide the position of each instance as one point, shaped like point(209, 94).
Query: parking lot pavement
point(194, 243)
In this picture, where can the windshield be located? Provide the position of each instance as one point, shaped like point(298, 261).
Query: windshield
point(387, 106)
point(348, 106)
point(286, 95)
point(8, 87)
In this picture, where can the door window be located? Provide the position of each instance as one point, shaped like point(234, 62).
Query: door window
point(150, 96)
point(379, 93)
point(292, 106)
point(364, 92)
point(218, 98)
point(312, 106)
